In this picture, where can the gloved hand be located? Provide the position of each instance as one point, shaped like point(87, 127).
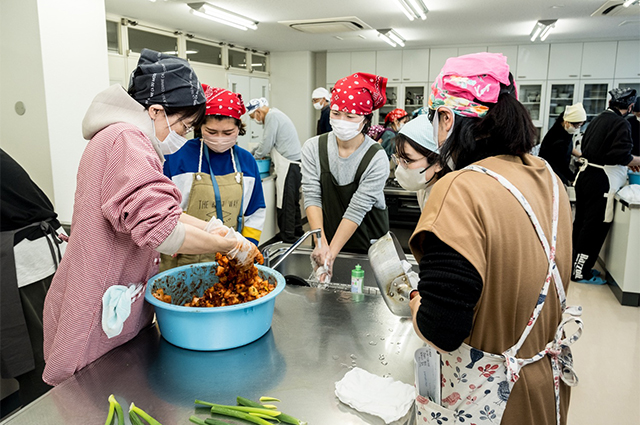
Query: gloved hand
point(244, 252)
point(322, 260)
point(413, 276)
point(216, 227)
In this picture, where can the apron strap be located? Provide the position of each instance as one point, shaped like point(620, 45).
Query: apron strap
point(216, 188)
point(323, 141)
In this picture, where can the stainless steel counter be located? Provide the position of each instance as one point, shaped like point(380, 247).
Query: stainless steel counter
point(315, 338)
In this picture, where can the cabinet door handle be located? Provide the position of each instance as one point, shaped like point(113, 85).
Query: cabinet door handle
point(395, 79)
point(573, 75)
point(406, 79)
point(586, 75)
point(522, 76)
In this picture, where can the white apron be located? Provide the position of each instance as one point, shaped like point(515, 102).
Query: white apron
point(475, 384)
point(281, 168)
point(617, 175)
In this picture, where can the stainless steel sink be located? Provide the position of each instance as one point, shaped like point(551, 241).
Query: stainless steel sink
point(297, 268)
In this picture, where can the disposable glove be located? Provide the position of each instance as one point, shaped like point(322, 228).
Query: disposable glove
point(216, 227)
point(245, 252)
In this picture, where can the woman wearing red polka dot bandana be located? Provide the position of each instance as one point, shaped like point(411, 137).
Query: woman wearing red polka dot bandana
point(344, 173)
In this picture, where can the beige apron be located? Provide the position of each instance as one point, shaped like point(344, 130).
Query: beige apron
point(202, 205)
point(281, 167)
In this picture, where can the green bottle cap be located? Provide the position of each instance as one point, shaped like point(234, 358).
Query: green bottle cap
point(357, 272)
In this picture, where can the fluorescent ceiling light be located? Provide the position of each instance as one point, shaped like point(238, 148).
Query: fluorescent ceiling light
point(214, 13)
point(542, 29)
point(628, 3)
point(413, 9)
point(389, 34)
point(387, 39)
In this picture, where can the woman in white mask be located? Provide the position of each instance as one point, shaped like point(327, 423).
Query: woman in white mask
point(218, 178)
point(344, 173)
point(126, 213)
point(416, 158)
point(557, 145)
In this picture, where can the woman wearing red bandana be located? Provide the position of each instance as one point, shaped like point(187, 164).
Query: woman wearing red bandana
point(216, 177)
point(344, 173)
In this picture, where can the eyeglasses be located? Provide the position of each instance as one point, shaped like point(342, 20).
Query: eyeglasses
point(577, 124)
point(187, 128)
point(403, 162)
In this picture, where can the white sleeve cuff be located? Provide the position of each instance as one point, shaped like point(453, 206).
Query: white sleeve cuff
point(174, 241)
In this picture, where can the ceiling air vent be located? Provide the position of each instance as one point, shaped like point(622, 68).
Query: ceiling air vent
point(615, 8)
point(327, 25)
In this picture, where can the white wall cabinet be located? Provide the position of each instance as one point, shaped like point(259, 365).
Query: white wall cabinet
point(598, 59)
point(415, 65)
point(363, 62)
point(438, 58)
point(338, 66)
point(533, 61)
point(565, 60)
point(628, 60)
point(389, 64)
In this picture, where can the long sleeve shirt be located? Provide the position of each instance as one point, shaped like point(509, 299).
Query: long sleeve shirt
point(607, 140)
point(183, 165)
point(370, 190)
point(279, 133)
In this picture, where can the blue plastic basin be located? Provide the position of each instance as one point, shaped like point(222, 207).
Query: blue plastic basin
point(634, 178)
point(264, 167)
point(210, 328)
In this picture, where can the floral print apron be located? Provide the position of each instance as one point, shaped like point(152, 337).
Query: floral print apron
point(475, 384)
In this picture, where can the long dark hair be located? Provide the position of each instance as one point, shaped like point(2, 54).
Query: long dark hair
point(506, 129)
point(241, 126)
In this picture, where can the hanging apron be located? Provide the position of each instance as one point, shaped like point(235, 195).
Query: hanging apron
point(281, 167)
point(336, 198)
point(617, 176)
point(479, 383)
point(212, 196)
point(16, 349)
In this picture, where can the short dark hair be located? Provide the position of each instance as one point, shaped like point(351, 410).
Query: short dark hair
point(194, 111)
point(432, 157)
point(506, 129)
point(367, 123)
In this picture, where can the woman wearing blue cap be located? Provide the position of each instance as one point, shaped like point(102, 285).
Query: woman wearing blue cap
point(417, 158)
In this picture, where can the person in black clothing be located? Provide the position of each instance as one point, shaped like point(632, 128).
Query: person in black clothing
point(320, 98)
point(30, 251)
point(606, 154)
point(557, 145)
point(634, 121)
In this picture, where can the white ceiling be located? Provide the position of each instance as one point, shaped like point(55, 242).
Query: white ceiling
point(449, 22)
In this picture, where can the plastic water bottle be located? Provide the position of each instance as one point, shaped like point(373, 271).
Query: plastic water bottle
point(357, 279)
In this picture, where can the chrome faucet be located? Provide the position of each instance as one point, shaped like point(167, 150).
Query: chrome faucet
point(296, 244)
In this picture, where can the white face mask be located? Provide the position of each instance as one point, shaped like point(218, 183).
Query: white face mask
point(317, 106)
point(172, 143)
point(345, 130)
point(400, 126)
point(572, 130)
point(413, 178)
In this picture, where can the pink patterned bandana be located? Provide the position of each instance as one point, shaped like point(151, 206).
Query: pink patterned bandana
point(359, 93)
point(467, 80)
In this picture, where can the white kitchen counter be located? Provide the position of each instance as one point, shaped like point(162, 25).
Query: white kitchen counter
point(620, 254)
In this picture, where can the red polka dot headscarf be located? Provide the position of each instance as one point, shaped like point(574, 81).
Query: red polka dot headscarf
point(223, 102)
point(360, 93)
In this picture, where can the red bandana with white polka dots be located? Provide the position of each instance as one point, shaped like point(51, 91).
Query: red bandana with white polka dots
point(360, 93)
point(223, 102)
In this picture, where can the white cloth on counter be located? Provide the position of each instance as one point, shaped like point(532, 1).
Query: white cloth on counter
point(413, 276)
point(375, 395)
point(630, 193)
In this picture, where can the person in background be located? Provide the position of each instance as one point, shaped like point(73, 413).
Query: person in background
point(216, 177)
point(634, 121)
point(557, 145)
point(393, 122)
point(344, 173)
point(320, 98)
point(126, 212)
point(486, 261)
point(606, 154)
point(31, 247)
point(417, 159)
point(280, 140)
